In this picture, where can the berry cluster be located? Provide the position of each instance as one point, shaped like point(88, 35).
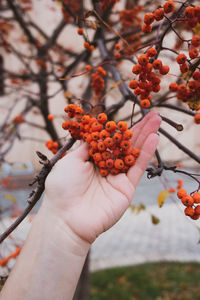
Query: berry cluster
point(98, 81)
point(109, 143)
point(52, 146)
point(148, 80)
point(19, 119)
point(191, 202)
point(157, 15)
point(189, 92)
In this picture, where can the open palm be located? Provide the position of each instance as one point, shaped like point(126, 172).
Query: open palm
point(88, 203)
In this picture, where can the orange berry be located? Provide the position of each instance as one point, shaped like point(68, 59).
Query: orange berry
point(96, 126)
point(187, 200)
point(101, 146)
point(127, 135)
point(189, 12)
point(193, 53)
point(129, 160)
point(181, 193)
point(135, 152)
point(116, 152)
point(143, 59)
point(164, 70)
point(197, 118)
point(86, 45)
point(195, 41)
point(88, 139)
point(181, 58)
point(196, 197)
point(95, 135)
point(173, 87)
point(125, 145)
point(197, 210)
point(109, 163)
point(117, 55)
point(111, 126)
point(145, 103)
point(106, 155)
point(119, 164)
point(151, 52)
point(171, 190)
point(102, 164)
point(157, 64)
point(108, 142)
point(102, 118)
point(85, 119)
point(169, 6)
point(195, 217)
point(122, 126)
point(146, 28)
point(133, 84)
point(91, 48)
point(114, 171)
point(104, 172)
point(189, 211)
point(50, 117)
point(97, 157)
point(104, 134)
point(94, 145)
point(136, 69)
point(117, 46)
point(184, 68)
point(80, 31)
point(159, 14)
point(88, 67)
point(148, 18)
point(117, 137)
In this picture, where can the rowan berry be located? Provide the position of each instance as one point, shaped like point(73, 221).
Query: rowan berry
point(66, 125)
point(101, 146)
point(50, 117)
point(129, 160)
point(106, 155)
point(181, 58)
point(136, 69)
point(196, 75)
point(96, 126)
point(133, 84)
point(86, 45)
point(146, 28)
point(148, 18)
point(151, 52)
point(97, 157)
point(88, 139)
point(143, 59)
point(189, 12)
point(117, 46)
point(127, 135)
point(195, 41)
point(180, 183)
point(101, 71)
point(122, 126)
point(102, 118)
point(157, 64)
point(197, 118)
point(187, 200)
point(109, 163)
point(88, 67)
point(85, 119)
point(91, 48)
point(111, 126)
point(169, 6)
point(119, 164)
point(94, 145)
point(108, 142)
point(125, 144)
point(164, 70)
point(117, 55)
point(116, 152)
point(114, 171)
point(104, 172)
point(80, 31)
point(184, 68)
point(102, 164)
point(181, 193)
point(173, 87)
point(195, 216)
point(137, 91)
point(92, 152)
point(135, 152)
point(196, 197)
point(197, 210)
point(104, 134)
point(159, 14)
point(193, 53)
point(145, 103)
point(189, 211)
point(95, 135)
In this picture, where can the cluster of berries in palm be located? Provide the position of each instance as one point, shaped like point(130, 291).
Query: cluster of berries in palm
point(192, 203)
point(109, 143)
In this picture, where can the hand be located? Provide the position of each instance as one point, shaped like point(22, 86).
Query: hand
point(88, 203)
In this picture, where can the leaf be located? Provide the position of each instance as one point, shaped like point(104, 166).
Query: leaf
point(162, 196)
point(10, 197)
point(196, 29)
point(155, 220)
point(133, 208)
point(140, 208)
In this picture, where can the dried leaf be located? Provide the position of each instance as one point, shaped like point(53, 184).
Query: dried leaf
point(140, 208)
point(196, 29)
point(154, 220)
point(162, 196)
point(133, 208)
point(10, 197)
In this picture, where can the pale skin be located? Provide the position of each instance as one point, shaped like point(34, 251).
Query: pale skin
point(78, 206)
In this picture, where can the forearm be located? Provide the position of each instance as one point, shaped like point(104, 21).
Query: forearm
point(50, 263)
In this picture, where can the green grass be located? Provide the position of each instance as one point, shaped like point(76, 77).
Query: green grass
point(157, 281)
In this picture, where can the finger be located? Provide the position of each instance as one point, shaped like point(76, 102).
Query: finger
point(82, 152)
point(135, 172)
point(138, 127)
point(151, 126)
